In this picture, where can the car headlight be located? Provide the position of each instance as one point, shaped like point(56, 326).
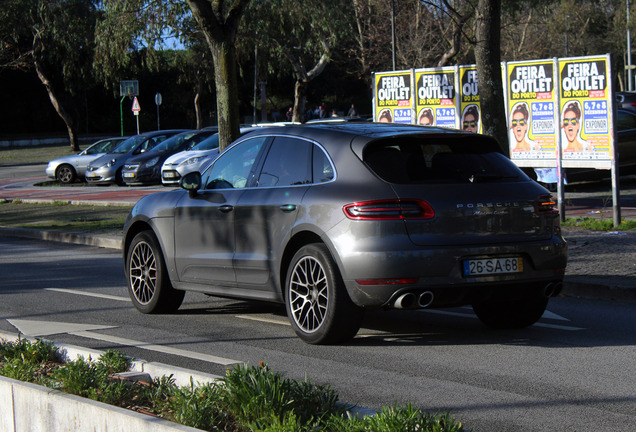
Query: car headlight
point(152, 162)
point(192, 160)
point(111, 163)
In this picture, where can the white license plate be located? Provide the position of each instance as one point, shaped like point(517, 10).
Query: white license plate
point(129, 175)
point(478, 267)
point(168, 175)
point(91, 174)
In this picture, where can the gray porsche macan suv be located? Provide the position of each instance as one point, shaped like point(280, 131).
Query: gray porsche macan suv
point(332, 220)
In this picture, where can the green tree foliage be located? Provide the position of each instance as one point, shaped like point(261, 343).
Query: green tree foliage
point(300, 36)
point(54, 39)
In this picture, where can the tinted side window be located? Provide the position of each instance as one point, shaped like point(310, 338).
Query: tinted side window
point(288, 163)
point(232, 168)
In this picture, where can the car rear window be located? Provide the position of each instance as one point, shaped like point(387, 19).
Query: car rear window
point(439, 159)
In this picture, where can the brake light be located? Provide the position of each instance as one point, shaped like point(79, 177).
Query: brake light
point(545, 205)
point(389, 210)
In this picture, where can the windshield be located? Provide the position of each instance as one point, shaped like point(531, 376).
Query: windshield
point(208, 143)
point(130, 144)
point(173, 143)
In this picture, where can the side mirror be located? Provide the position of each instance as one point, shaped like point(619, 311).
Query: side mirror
point(191, 182)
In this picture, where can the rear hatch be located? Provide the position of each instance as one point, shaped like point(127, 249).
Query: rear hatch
point(477, 195)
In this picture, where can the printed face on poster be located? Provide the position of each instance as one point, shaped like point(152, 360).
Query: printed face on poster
point(436, 97)
point(393, 98)
point(585, 112)
point(470, 120)
point(532, 114)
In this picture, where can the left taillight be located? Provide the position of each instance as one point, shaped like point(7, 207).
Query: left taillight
point(389, 210)
point(545, 204)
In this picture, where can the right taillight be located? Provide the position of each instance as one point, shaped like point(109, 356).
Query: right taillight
point(389, 210)
point(544, 204)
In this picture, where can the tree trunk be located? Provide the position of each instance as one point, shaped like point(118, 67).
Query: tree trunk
point(226, 93)
point(300, 96)
point(57, 105)
point(220, 35)
point(488, 59)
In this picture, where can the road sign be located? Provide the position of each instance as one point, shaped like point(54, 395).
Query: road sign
point(135, 106)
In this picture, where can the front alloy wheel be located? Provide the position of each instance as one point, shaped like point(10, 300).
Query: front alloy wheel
point(65, 174)
point(317, 302)
point(149, 287)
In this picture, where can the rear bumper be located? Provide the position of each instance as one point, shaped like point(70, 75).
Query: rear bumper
point(440, 271)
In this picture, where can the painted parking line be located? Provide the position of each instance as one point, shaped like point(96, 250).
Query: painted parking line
point(89, 294)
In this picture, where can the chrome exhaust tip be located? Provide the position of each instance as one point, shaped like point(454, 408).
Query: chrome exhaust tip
point(425, 299)
point(405, 301)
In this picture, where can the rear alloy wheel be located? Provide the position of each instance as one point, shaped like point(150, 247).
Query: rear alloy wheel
point(149, 286)
point(510, 314)
point(318, 305)
point(65, 174)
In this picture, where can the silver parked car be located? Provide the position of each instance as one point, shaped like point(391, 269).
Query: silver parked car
point(108, 168)
point(67, 169)
point(336, 219)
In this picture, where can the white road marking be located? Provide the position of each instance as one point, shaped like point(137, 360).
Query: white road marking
point(266, 320)
point(45, 328)
point(158, 348)
point(89, 294)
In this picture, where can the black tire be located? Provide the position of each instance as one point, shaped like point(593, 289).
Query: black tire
point(318, 305)
point(511, 314)
point(119, 178)
point(65, 173)
point(149, 286)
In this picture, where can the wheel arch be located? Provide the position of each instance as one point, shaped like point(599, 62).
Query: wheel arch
point(297, 241)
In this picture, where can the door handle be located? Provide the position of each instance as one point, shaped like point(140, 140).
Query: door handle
point(288, 207)
point(226, 208)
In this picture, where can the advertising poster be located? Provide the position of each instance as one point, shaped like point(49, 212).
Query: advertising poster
point(393, 97)
point(436, 97)
point(470, 111)
point(533, 123)
point(585, 112)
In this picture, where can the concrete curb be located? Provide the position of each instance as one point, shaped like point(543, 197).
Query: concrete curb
point(64, 237)
point(30, 407)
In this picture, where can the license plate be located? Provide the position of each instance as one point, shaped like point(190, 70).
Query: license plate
point(168, 175)
point(490, 266)
point(129, 175)
point(91, 174)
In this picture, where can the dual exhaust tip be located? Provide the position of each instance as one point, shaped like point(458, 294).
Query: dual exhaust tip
point(411, 300)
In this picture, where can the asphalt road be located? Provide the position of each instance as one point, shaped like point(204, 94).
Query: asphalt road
point(573, 371)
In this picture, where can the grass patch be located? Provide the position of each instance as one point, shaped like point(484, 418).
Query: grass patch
point(60, 215)
point(246, 399)
point(35, 155)
point(599, 224)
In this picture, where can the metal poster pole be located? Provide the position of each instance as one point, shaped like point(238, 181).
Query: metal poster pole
point(557, 109)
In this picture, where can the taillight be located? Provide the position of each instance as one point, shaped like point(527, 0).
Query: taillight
point(389, 210)
point(545, 205)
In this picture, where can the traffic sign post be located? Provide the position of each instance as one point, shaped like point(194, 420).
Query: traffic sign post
point(136, 108)
point(128, 88)
point(158, 102)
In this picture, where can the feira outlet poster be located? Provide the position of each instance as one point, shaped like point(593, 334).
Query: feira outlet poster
point(436, 97)
point(394, 97)
point(532, 112)
point(470, 120)
point(585, 112)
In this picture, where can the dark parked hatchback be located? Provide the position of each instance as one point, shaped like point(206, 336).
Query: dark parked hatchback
point(336, 219)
